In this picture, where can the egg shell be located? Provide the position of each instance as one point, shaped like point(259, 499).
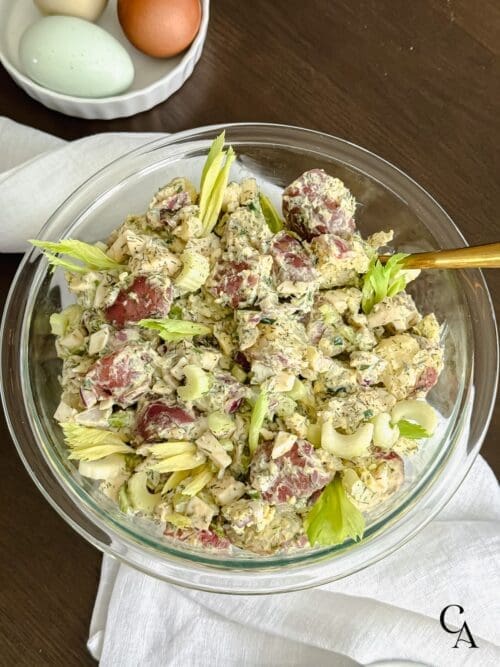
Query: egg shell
point(90, 10)
point(75, 57)
point(160, 28)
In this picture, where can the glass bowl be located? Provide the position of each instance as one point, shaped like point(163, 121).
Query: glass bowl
point(275, 155)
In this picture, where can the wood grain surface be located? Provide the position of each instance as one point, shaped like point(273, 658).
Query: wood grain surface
point(416, 82)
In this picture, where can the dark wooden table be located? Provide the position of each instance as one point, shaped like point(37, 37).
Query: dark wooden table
point(416, 82)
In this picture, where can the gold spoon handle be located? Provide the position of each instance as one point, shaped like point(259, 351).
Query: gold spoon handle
point(474, 257)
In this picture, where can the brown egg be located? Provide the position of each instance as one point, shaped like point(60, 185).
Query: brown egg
point(160, 28)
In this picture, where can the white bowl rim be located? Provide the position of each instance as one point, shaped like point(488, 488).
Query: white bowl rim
point(16, 74)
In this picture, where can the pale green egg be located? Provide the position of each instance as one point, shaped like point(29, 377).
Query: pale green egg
point(75, 57)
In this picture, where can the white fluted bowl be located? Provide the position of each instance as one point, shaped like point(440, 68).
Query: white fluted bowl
point(155, 79)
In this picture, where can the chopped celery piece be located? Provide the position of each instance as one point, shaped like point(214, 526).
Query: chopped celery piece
point(300, 393)
point(180, 462)
point(106, 468)
point(346, 446)
point(329, 314)
point(271, 215)
point(198, 382)
point(122, 419)
point(175, 479)
point(238, 373)
point(215, 150)
point(175, 330)
point(314, 434)
point(140, 497)
point(81, 437)
point(415, 411)
point(93, 258)
point(175, 313)
point(90, 444)
point(221, 424)
point(352, 482)
point(198, 481)
point(259, 412)
point(385, 434)
point(227, 444)
point(132, 461)
point(194, 272)
point(124, 500)
point(382, 280)
point(66, 319)
point(97, 452)
point(214, 181)
point(220, 186)
point(164, 449)
point(333, 518)
point(285, 406)
point(178, 520)
point(57, 324)
point(209, 183)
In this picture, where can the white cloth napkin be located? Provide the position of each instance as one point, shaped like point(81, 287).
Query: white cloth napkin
point(38, 171)
point(388, 611)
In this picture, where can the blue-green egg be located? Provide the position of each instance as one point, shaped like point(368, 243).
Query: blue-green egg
point(75, 57)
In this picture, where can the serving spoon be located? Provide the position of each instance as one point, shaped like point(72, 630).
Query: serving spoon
point(472, 257)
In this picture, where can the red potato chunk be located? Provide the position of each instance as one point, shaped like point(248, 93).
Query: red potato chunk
point(291, 261)
point(235, 283)
point(175, 202)
point(396, 472)
point(381, 474)
point(296, 474)
point(226, 394)
point(141, 300)
point(160, 420)
point(316, 203)
point(279, 346)
point(428, 378)
point(123, 376)
point(282, 530)
point(169, 201)
point(199, 538)
point(332, 245)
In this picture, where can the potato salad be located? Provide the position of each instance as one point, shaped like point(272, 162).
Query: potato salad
point(249, 379)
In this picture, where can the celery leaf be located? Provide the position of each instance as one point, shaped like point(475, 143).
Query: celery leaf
point(333, 518)
point(382, 280)
point(257, 417)
point(175, 330)
point(271, 215)
point(92, 257)
point(412, 430)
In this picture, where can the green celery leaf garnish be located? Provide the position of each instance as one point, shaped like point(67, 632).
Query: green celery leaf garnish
point(259, 412)
point(271, 215)
point(214, 181)
point(334, 518)
point(175, 330)
point(206, 190)
point(121, 419)
point(215, 150)
point(382, 280)
point(412, 430)
point(93, 258)
point(90, 444)
point(175, 313)
point(217, 195)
